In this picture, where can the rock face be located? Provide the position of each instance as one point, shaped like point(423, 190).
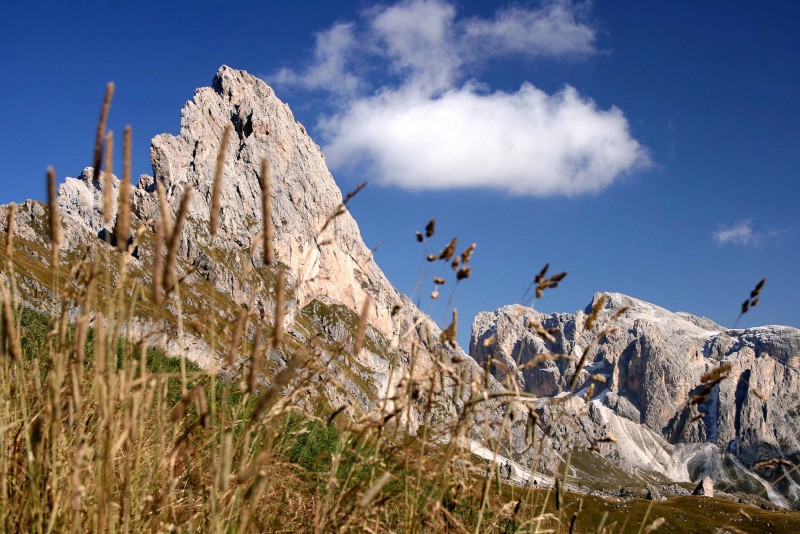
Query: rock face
point(705, 488)
point(643, 381)
point(334, 265)
point(636, 383)
point(330, 271)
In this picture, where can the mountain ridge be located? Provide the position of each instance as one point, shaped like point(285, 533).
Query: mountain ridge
point(644, 368)
point(333, 267)
point(331, 274)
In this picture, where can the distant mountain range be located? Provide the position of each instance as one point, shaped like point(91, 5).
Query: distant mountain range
point(639, 406)
point(683, 396)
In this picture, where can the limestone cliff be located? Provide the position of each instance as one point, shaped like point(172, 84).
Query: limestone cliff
point(643, 380)
point(330, 273)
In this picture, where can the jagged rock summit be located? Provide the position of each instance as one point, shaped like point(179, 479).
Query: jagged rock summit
point(304, 194)
point(330, 273)
point(645, 373)
point(642, 380)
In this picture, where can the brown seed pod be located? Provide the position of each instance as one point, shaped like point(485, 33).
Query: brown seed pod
point(430, 228)
point(447, 253)
point(467, 254)
point(449, 334)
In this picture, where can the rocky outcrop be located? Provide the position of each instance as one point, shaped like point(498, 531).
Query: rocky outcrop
point(705, 488)
point(642, 378)
point(315, 239)
point(334, 264)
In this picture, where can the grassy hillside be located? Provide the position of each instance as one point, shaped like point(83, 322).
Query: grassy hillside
point(102, 431)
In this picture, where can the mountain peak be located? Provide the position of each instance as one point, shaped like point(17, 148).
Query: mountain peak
point(330, 272)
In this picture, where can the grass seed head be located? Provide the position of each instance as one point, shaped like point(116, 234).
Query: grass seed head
point(55, 217)
point(449, 335)
point(108, 170)
point(10, 216)
point(430, 228)
point(266, 213)
point(466, 255)
point(362, 325)
point(236, 340)
point(280, 308)
point(158, 261)
point(123, 226)
point(101, 130)
point(447, 252)
point(170, 268)
point(597, 306)
point(217, 189)
point(166, 215)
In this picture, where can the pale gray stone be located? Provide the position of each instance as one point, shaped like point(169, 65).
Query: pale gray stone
point(653, 363)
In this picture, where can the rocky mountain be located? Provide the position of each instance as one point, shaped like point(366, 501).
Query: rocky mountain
point(636, 383)
point(330, 272)
point(680, 396)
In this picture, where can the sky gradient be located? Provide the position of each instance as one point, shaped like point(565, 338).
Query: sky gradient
point(646, 148)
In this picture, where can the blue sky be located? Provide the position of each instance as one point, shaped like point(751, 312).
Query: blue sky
point(649, 148)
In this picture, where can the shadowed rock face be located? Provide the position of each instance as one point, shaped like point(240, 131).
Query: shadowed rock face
point(647, 371)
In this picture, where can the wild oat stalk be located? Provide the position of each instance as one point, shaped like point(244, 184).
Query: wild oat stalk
point(123, 226)
point(55, 217)
point(362, 325)
point(280, 309)
point(173, 241)
point(217, 189)
point(101, 130)
point(158, 261)
point(266, 214)
point(751, 301)
point(10, 220)
point(107, 178)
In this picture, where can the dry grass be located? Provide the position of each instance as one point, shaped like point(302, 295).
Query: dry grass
point(101, 432)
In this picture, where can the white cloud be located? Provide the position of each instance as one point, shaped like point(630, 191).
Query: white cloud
point(429, 129)
point(554, 30)
point(742, 233)
point(418, 39)
point(526, 142)
point(328, 71)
